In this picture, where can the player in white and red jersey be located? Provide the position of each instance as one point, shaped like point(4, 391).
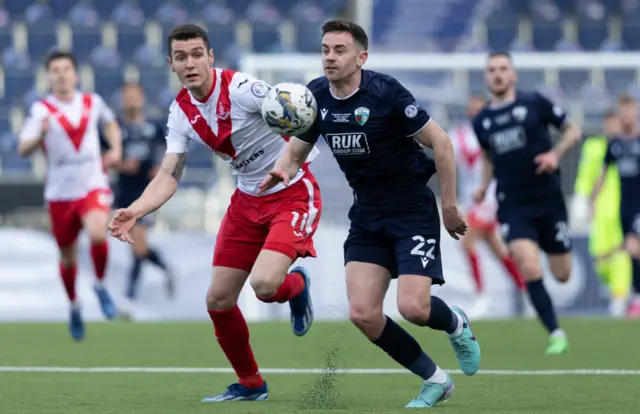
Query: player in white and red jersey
point(260, 236)
point(65, 126)
point(481, 217)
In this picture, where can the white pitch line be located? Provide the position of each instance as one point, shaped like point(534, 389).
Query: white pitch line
point(364, 371)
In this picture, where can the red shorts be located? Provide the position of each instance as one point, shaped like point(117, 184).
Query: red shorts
point(66, 216)
point(482, 218)
point(283, 222)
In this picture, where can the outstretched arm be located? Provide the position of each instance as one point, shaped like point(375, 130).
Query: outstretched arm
point(294, 155)
point(163, 186)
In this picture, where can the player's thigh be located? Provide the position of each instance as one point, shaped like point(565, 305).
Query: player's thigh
point(94, 210)
point(65, 226)
point(294, 219)
point(239, 239)
point(367, 285)
point(225, 287)
point(526, 252)
point(269, 272)
point(552, 229)
point(140, 237)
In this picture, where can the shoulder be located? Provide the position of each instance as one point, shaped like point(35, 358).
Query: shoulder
point(96, 99)
point(380, 83)
point(318, 85)
point(38, 108)
point(177, 118)
point(533, 97)
point(481, 121)
point(243, 85)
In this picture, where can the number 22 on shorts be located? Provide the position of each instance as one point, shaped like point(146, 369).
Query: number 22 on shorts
point(425, 256)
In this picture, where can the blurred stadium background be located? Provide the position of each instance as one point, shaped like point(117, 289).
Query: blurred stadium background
point(581, 53)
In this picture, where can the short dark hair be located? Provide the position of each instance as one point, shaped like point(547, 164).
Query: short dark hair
point(188, 32)
point(500, 53)
point(610, 113)
point(346, 26)
point(131, 84)
point(626, 99)
point(57, 55)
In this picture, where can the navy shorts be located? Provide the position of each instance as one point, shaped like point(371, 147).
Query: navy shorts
point(630, 221)
point(405, 243)
point(542, 222)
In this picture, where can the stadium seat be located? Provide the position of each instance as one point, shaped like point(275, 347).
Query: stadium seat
point(264, 36)
point(619, 80)
point(572, 81)
point(129, 40)
point(16, 8)
point(593, 21)
point(547, 21)
point(221, 35)
point(16, 85)
point(84, 40)
point(107, 81)
point(42, 37)
point(61, 8)
point(308, 37)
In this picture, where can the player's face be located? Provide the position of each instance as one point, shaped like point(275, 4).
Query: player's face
point(62, 75)
point(191, 61)
point(611, 126)
point(500, 75)
point(132, 99)
point(628, 113)
point(474, 106)
point(341, 56)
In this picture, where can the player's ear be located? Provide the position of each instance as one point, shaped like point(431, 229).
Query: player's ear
point(362, 58)
point(211, 57)
point(170, 63)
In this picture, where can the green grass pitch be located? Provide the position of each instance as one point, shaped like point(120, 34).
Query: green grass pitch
point(515, 376)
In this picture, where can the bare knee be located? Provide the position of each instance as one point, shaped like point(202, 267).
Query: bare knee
point(561, 267)
point(266, 284)
point(531, 269)
point(218, 299)
point(68, 256)
point(370, 321)
point(414, 311)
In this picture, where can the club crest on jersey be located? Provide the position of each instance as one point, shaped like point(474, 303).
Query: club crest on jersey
point(362, 115)
point(519, 113)
point(222, 112)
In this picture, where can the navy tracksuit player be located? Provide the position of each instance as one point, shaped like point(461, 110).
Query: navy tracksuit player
point(143, 146)
point(371, 122)
point(513, 130)
point(624, 151)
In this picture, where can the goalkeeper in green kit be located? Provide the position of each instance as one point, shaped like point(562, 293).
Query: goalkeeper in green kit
point(606, 232)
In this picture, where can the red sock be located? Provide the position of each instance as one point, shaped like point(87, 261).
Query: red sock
point(513, 270)
point(475, 271)
point(292, 286)
point(232, 333)
point(99, 253)
point(68, 275)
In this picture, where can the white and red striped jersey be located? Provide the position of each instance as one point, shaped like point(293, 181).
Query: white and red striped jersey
point(71, 144)
point(229, 122)
point(468, 155)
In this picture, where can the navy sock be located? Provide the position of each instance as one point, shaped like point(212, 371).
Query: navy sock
point(405, 350)
point(156, 259)
point(442, 318)
point(542, 303)
point(636, 276)
point(134, 277)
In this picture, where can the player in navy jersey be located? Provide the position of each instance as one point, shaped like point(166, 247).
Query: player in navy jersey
point(513, 130)
point(371, 124)
point(143, 147)
point(624, 151)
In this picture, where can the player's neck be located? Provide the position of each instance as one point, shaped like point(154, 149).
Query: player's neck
point(64, 96)
point(133, 118)
point(346, 87)
point(630, 131)
point(497, 100)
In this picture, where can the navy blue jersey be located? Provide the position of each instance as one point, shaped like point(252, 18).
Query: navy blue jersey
point(512, 135)
point(625, 153)
point(370, 134)
point(145, 143)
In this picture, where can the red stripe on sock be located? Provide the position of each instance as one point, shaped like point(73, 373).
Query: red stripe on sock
point(292, 286)
point(68, 275)
point(232, 333)
point(99, 254)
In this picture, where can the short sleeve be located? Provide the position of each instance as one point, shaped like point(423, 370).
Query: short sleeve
point(105, 114)
point(176, 138)
point(32, 127)
point(479, 131)
point(550, 113)
point(248, 92)
point(613, 149)
point(405, 109)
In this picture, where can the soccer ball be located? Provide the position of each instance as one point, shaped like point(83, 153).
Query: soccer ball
point(289, 109)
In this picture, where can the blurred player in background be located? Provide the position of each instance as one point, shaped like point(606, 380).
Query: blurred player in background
point(65, 125)
point(513, 130)
point(260, 236)
point(481, 217)
point(143, 146)
point(605, 230)
point(623, 151)
point(395, 225)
